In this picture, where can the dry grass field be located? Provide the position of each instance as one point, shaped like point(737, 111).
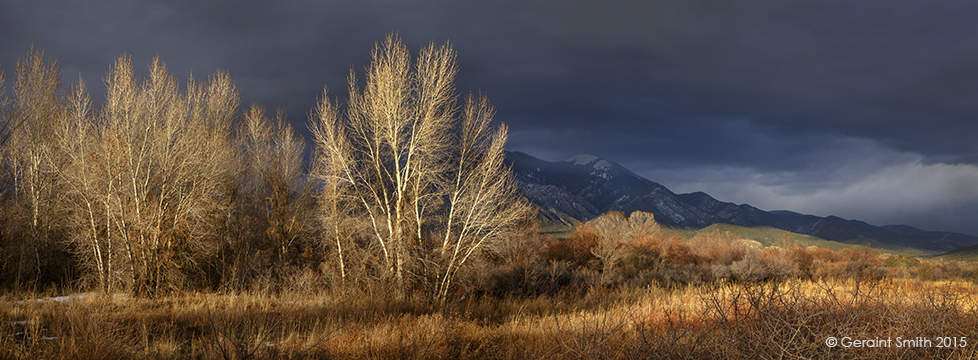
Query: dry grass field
point(619, 289)
point(789, 319)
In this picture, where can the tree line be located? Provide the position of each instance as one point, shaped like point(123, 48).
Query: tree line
point(160, 188)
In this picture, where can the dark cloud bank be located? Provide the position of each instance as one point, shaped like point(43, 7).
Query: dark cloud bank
point(860, 109)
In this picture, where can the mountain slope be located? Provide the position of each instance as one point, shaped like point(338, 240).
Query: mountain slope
point(586, 186)
point(963, 254)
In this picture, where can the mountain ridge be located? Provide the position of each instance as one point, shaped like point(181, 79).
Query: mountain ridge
point(585, 186)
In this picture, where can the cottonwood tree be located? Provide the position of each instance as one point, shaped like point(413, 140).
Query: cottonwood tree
point(614, 231)
point(427, 179)
point(167, 160)
point(87, 196)
point(274, 183)
point(335, 200)
point(31, 163)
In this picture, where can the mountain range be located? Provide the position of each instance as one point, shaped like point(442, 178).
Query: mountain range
point(585, 186)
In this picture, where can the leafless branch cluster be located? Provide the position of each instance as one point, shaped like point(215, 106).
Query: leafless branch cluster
point(425, 178)
point(160, 185)
point(614, 231)
point(137, 189)
point(31, 163)
point(149, 173)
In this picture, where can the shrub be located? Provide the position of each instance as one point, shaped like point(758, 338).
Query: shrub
point(614, 232)
point(766, 264)
point(718, 247)
point(522, 280)
point(576, 249)
point(679, 253)
point(861, 264)
point(720, 272)
point(643, 256)
point(809, 259)
point(751, 269)
point(524, 245)
point(901, 261)
point(779, 266)
point(677, 275)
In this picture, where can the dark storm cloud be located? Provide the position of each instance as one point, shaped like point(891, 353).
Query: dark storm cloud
point(902, 72)
point(752, 101)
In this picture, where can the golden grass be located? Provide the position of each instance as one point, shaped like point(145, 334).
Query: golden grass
point(791, 319)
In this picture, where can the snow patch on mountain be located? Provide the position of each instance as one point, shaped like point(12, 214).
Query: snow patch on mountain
point(582, 159)
point(603, 165)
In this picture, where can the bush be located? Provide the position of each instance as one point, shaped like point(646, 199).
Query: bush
point(681, 275)
point(575, 250)
point(862, 264)
point(767, 264)
point(779, 267)
point(901, 261)
point(750, 269)
point(531, 280)
point(679, 253)
point(720, 272)
point(718, 247)
point(809, 259)
point(642, 257)
point(614, 232)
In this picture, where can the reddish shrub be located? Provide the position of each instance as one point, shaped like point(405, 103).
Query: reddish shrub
point(802, 257)
point(718, 247)
point(864, 255)
point(809, 259)
point(644, 255)
point(825, 254)
point(679, 253)
point(576, 249)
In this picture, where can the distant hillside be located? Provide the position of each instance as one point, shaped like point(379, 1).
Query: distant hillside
point(766, 235)
point(769, 236)
point(583, 187)
point(964, 254)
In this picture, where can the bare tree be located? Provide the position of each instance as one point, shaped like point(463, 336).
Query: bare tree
point(274, 182)
point(483, 201)
point(332, 166)
point(142, 187)
point(168, 164)
point(31, 159)
point(615, 231)
point(429, 181)
point(87, 198)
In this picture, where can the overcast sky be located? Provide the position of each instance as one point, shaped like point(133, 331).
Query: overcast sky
point(861, 109)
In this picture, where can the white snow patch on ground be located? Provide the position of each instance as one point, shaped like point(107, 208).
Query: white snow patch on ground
point(73, 297)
